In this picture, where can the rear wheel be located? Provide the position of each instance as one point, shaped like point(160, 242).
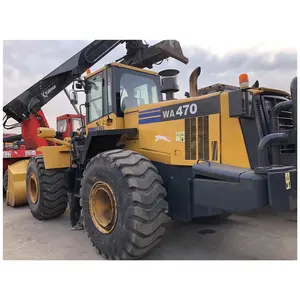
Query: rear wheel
point(5, 181)
point(46, 190)
point(124, 204)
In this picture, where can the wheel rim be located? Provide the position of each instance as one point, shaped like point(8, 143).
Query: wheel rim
point(33, 188)
point(103, 207)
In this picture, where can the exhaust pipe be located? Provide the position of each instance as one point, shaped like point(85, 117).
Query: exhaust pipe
point(262, 148)
point(276, 110)
point(193, 82)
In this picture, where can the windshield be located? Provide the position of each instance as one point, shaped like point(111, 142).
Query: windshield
point(61, 125)
point(137, 88)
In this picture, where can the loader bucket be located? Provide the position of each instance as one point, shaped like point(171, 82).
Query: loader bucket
point(16, 189)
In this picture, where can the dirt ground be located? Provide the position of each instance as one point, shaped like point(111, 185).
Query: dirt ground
point(260, 236)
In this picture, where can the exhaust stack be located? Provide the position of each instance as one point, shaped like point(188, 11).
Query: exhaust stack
point(193, 82)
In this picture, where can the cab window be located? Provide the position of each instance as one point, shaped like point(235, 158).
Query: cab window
point(76, 123)
point(61, 125)
point(137, 89)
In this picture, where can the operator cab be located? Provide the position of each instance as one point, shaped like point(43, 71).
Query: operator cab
point(67, 123)
point(117, 87)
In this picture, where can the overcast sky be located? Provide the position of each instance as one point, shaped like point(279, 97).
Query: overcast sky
point(26, 62)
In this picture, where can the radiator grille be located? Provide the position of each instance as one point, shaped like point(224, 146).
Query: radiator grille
point(203, 138)
point(197, 128)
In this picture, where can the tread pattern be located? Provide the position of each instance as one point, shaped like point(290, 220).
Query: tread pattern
point(5, 181)
point(53, 188)
point(146, 217)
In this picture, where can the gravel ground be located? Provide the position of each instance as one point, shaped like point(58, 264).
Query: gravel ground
point(260, 236)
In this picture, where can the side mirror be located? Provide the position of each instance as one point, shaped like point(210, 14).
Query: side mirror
point(79, 85)
point(73, 97)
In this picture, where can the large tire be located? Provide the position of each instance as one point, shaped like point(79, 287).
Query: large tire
point(49, 198)
point(5, 181)
point(139, 219)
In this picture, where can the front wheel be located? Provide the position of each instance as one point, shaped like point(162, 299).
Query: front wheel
point(124, 204)
point(46, 190)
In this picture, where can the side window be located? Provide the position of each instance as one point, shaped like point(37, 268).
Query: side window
point(95, 97)
point(61, 125)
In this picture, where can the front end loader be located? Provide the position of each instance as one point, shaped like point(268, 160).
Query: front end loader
point(144, 158)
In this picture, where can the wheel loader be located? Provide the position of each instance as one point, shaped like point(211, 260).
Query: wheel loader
point(145, 158)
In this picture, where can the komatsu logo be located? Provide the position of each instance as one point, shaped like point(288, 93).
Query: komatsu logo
point(46, 93)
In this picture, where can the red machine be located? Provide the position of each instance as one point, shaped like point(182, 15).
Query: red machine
point(25, 145)
point(68, 123)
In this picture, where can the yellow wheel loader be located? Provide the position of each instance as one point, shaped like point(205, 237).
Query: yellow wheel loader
point(145, 157)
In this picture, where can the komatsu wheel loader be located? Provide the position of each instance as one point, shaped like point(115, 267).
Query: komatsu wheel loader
point(144, 158)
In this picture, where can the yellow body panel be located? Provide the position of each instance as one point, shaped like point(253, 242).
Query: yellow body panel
point(56, 157)
point(131, 118)
point(16, 189)
point(214, 136)
point(44, 132)
point(233, 148)
point(105, 124)
point(161, 141)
